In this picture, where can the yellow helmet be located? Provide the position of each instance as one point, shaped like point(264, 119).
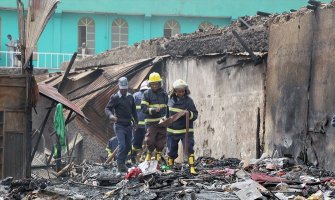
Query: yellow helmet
point(179, 84)
point(154, 77)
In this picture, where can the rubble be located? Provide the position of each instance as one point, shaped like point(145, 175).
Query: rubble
point(224, 178)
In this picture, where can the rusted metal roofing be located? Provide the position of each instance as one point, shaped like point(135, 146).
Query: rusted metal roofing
point(53, 81)
point(78, 76)
point(101, 128)
point(53, 94)
point(94, 103)
point(109, 75)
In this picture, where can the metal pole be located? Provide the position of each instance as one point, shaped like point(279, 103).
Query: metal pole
point(186, 134)
point(258, 144)
point(42, 129)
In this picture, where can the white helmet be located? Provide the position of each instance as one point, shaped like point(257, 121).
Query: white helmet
point(144, 85)
point(179, 84)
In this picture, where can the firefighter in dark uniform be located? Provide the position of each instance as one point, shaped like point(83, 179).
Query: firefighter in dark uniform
point(180, 101)
point(154, 105)
point(121, 110)
point(139, 133)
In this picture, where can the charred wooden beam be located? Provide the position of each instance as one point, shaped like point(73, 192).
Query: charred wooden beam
point(222, 60)
point(73, 147)
point(42, 166)
point(258, 142)
point(244, 22)
point(238, 63)
point(111, 157)
point(65, 169)
point(245, 46)
point(67, 72)
point(41, 132)
point(60, 89)
point(94, 67)
point(314, 3)
point(265, 14)
point(312, 7)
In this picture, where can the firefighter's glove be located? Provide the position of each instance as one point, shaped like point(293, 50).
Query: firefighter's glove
point(112, 118)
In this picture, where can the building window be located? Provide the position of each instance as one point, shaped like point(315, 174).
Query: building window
point(171, 28)
point(86, 36)
point(205, 26)
point(119, 33)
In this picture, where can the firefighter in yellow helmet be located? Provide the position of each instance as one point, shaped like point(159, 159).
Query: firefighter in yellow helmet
point(180, 101)
point(154, 105)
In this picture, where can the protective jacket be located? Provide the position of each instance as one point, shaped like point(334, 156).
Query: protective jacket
point(138, 96)
point(152, 100)
point(123, 107)
point(179, 104)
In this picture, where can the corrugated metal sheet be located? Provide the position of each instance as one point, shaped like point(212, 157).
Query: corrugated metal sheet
point(53, 94)
point(80, 75)
point(101, 128)
point(93, 105)
point(40, 160)
point(110, 74)
point(53, 81)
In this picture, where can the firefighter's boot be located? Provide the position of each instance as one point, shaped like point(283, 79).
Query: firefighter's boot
point(191, 163)
point(148, 157)
point(158, 156)
point(170, 162)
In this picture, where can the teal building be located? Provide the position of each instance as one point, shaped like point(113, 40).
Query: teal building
point(92, 27)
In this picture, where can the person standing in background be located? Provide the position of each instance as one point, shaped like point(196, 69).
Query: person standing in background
point(11, 49)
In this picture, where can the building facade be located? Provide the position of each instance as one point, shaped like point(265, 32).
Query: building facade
point(92, 27)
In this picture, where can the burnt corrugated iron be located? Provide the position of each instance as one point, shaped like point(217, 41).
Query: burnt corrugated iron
point(82, 84)
point(53, 94)
point(93, 105)
point(102, 129)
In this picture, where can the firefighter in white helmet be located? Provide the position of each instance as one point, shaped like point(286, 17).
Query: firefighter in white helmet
point(180, 101)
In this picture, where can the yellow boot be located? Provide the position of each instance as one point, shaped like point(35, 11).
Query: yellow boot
point(148, 157)
point(170, 162)
point(109, 151)
point(191, 163)
point(158, 156)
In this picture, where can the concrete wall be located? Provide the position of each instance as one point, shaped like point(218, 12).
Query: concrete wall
point(287, 85)
point(322, 106)
point(227, 101)
point(300, 84)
